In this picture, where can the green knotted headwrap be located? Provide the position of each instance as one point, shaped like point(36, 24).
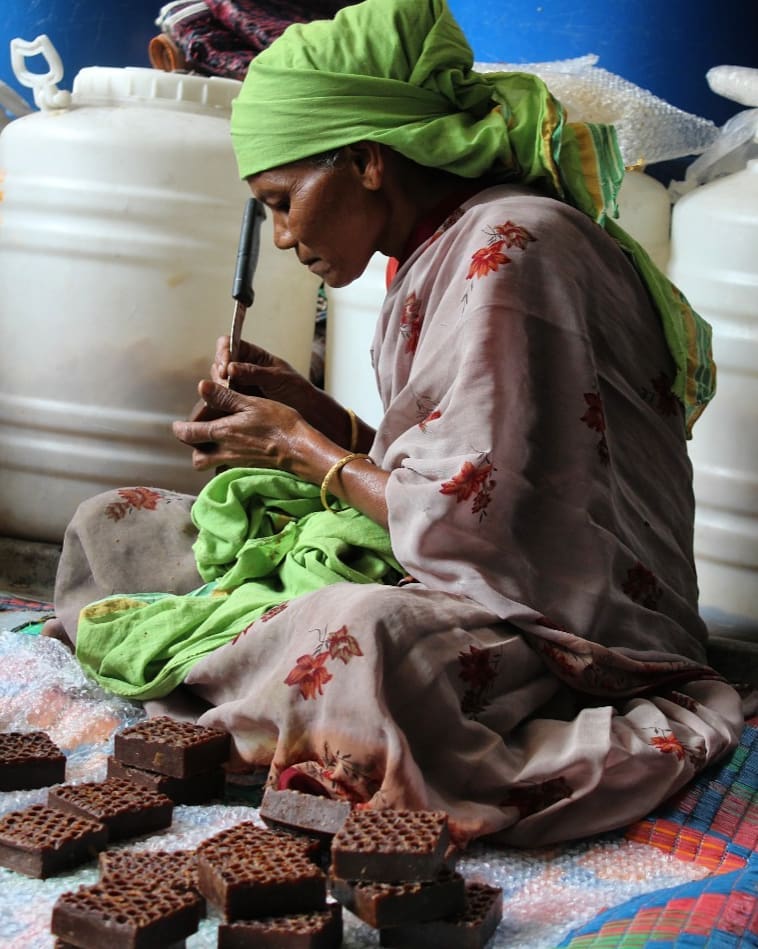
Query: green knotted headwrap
point(399, 72)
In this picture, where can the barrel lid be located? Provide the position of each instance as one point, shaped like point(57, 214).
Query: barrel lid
point(105, 85)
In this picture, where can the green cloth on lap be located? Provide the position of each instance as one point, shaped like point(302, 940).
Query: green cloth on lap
point(263, 539)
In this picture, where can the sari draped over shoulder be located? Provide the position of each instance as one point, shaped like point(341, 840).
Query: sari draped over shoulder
point(540, 673)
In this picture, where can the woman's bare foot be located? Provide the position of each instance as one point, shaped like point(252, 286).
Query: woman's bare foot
point(53, 629)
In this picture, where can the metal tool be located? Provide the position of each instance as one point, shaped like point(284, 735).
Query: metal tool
point(247, 260)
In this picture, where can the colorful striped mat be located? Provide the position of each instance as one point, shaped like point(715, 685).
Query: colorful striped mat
point(714, 824)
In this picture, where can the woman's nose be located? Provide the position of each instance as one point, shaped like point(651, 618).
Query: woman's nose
point(282, 237)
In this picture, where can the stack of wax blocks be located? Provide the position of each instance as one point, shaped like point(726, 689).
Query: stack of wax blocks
point(269, 888)
point(40, 841)
point(394, 869)
point(182, 760)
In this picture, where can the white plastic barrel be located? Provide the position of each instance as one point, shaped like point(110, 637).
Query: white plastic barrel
point(645, 213)
point(644, 210)
point(119, 224)
point(714, 260)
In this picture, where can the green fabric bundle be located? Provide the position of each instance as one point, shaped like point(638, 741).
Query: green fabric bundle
point(263, 539)
point(399, 72)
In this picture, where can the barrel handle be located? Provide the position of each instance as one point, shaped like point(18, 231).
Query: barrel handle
point(46, 93)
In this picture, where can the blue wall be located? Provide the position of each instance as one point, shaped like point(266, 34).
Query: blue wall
point(665, 46)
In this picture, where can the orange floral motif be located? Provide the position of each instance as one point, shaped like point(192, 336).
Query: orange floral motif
point(410, 322)
point(274, 611)
point(476, 667)
point(513, 235)
point(642, 587)
point(668, 745)
point(134, 499)
point(342, 645)
point(310, 675)
point(594, 418)
point(487, 260)
point(469, 480)
point(435, 414)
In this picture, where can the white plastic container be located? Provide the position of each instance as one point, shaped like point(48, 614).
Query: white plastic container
point(352, 313)
point(119, 226)
point(645, 213)
point(714, 260)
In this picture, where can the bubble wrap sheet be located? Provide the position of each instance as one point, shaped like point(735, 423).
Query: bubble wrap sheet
point(547, 893)
point(648, 128)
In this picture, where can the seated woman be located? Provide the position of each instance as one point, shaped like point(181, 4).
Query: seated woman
point(489, 605)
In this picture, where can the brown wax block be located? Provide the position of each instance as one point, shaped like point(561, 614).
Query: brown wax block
point(250, 835)
point(171, 747)
point(471, 929)
point(389, 846)
point(40, 841)
point(303, 813)
point(125, 809)
point(413, 901)
point(176, 868)
point(321, 929)
point(248, 876)
point(195, 789)
point(118, 917)
point(30, 760)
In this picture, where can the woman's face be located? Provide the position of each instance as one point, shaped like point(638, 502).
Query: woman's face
point(328, 215)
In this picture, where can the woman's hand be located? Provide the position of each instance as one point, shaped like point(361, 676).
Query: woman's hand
point(259, 373)
point(240, 430)
point(250, 432)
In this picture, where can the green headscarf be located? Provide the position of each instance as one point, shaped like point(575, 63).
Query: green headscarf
point(399, 72)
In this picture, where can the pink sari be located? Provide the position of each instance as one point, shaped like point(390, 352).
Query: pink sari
point(542, 678)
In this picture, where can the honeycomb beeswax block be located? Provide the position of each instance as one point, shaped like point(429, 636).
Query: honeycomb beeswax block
point(171, 747)
point(118, 917)
point(125, 809)
point(471, 929)
point(321, 929)
point(253, 837)
point(40, 841)
point(177, 868)
point(413, 901)
point(247, 880)
point(30, 760)
point(195, 789)
point(389, 846)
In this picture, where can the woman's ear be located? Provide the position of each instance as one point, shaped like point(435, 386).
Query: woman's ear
point(367, 159)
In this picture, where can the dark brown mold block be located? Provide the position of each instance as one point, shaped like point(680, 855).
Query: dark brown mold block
point(247, 877)
point(104, 916)
point(125, 809)
point(195, 789)
point(304, 813)
point(390, 846)
point(392, 904)
point(41, 841)
point(30, 760)
point(471, 929)
point(168, 746)
point(321, 929)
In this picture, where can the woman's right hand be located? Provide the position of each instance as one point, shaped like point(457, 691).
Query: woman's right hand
point(258, 372)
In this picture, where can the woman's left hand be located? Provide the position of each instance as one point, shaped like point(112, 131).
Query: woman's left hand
point(250, 432)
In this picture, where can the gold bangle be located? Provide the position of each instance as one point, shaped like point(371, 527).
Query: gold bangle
point(337, 466)
point(353, 429)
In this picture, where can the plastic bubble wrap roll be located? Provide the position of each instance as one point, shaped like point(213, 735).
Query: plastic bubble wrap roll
point(649, 129)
